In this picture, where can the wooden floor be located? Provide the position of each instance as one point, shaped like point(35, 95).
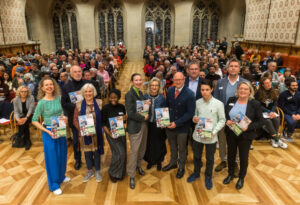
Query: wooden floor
point(273, 177)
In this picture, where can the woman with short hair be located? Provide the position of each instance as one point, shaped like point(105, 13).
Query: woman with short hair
point(243, 104)
point(91, 145)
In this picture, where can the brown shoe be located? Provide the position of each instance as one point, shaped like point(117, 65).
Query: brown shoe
point(236, 170)
point(221, 166)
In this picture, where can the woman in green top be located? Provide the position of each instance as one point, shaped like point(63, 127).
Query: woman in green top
point(210, 119)
point(55, 149)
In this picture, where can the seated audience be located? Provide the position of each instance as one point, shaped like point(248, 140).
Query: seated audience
point(289, 102)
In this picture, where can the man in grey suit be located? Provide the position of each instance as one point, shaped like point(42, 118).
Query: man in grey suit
point(226, 88)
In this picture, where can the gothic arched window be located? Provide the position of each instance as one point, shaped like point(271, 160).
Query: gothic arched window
point(158, 23)
point(205, 21)
point(65, 25)
point(110, 23)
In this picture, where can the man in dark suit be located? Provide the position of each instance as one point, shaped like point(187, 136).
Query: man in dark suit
point(73, 85)
point(193, 81)
point(181, 103)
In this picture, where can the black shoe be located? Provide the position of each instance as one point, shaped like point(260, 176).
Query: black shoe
point(228, 179)
point(149, 166)
point(77, 165)
point(28, 145)
point(140, 171)
point(169, 167)
point(132, 183)
point(113, 179)
point(180, 173)
point(239, 184)
point(158, 167)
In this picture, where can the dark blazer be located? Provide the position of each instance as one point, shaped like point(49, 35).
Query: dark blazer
point(181, 109)
point(198, 92)
point(253, 112)
point(134, 121)
point(66, 103)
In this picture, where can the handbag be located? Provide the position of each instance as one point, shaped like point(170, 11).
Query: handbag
point(17, 140)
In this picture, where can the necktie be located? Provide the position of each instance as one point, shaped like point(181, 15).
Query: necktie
point(176, 93)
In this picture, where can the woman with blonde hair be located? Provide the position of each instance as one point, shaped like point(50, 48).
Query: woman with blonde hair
point(23, 110)
point(156, 146)
point(242, 104)
point(55, 149)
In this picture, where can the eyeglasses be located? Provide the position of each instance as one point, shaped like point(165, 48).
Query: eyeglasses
point(154, 85)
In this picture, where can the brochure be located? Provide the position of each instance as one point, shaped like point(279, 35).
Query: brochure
point(75, 96)
point(267, 115)
point(162, 117)
point(241, 121)
point(117, 126)
point(204, 128)
point(58, 126)
point(142, 107)
point(86, 124)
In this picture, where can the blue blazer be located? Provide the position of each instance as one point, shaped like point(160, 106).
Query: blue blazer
point(198, 91)
point(181, 109)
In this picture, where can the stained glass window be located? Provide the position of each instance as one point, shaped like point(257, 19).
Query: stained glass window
point(159, 13)
point(205, 21)
point(111, 24)
point(65, 25)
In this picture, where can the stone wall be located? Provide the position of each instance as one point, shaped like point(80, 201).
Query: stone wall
point(40, 23)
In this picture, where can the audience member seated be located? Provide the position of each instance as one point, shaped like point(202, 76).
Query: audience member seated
point(289, 102)
point(102, 72)
point(4, 91)
point(23, 111)
point(268, 96)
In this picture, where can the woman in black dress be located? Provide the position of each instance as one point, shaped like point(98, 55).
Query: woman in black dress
point(117, 169)
point(156, 146)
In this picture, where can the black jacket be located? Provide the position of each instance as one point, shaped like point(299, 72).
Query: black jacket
point(253, 112)
point(66, 103)
point(134, 121)
point(198, 92)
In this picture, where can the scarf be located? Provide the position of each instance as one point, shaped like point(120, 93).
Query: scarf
point(88, 139)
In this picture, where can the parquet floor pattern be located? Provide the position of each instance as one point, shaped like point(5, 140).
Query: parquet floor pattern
point(273, 177)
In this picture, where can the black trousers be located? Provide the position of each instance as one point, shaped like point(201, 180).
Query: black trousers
point(76, 145)
point(92, 158)
point(210, 150)
point(234, 142)
point(24, 129)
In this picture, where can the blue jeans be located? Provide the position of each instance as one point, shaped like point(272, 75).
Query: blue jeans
point(291, 123)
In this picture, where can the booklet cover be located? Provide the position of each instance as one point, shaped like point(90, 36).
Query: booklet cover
point(241, 121)
point(75, 96)
point(162, 117)
point(142, 107)
point(204, 128)
point(58, 126)
point(267, 115)
point(117, 126)
point(86, 124)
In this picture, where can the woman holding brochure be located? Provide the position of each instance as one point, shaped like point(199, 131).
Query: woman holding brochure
point(113, 109)
point(156, 145)
point(268, 96)
point(55, 149)
point(90, 135)
point(210, 119)
point(240, 134)
point(136, 127)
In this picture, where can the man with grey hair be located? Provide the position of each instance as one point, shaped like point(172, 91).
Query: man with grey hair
point(226, 88)
point(272, 67)
point(75, 84)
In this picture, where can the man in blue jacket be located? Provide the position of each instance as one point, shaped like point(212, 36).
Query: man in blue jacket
point(193, 81)
point(181, 103)
point(289, 102)
point(226, 88)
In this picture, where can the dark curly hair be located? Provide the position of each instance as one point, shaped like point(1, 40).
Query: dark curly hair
point(263, 94)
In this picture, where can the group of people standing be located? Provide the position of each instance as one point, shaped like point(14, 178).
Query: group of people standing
point(189, 101)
